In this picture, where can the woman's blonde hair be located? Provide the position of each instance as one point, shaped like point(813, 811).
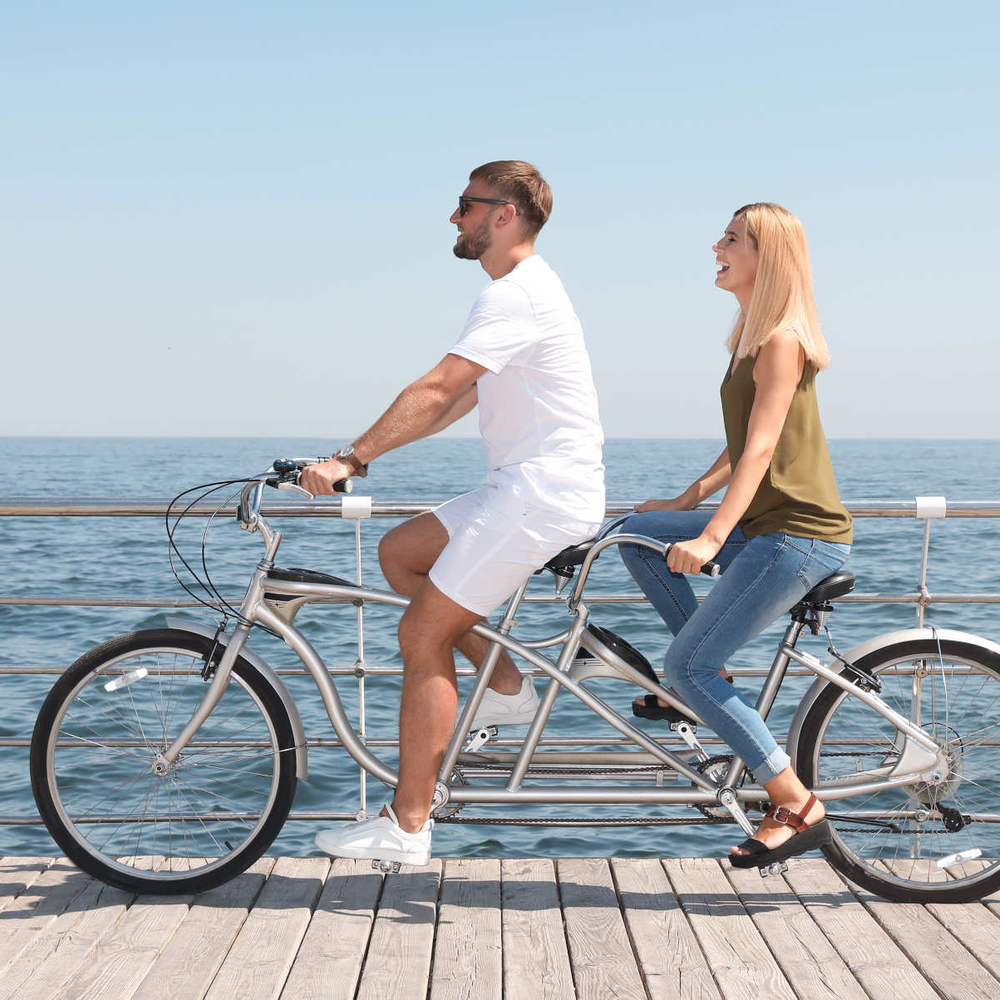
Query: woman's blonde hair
point(782, 293)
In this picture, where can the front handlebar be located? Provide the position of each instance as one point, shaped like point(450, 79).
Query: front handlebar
point(284, 474)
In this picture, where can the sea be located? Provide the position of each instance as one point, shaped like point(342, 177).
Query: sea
point(126, 559)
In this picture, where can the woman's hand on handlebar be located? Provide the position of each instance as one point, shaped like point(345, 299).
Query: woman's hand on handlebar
point(320, 479)
point(690, 556)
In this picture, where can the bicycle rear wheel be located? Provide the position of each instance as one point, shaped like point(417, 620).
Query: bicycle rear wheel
point(211, 815)
point(925, 841)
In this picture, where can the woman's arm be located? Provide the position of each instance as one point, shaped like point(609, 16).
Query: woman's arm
point(704, 486)
point(777, 372)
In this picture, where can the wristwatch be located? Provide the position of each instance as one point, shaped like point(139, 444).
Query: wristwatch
point(346, 454)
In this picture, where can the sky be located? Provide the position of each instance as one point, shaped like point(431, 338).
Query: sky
point(232, 219)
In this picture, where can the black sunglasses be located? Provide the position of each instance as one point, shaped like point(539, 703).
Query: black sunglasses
point(464, 203)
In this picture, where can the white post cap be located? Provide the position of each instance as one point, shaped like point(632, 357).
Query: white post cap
point(356, 507)
point(928, 507)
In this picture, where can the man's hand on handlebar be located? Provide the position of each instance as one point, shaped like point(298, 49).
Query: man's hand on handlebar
point(320, 479)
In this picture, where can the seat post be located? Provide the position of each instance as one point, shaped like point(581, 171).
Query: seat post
point(778, 667)
point(479, 686)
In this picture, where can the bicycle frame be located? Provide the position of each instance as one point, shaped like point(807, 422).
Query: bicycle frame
point(919, 759)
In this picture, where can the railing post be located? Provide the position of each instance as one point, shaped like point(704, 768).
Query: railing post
point(358, 508)
point(927, 508)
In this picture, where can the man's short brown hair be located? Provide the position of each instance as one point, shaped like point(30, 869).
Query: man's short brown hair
point(523, 186)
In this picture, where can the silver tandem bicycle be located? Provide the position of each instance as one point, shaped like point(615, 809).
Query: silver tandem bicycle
point(184, 747)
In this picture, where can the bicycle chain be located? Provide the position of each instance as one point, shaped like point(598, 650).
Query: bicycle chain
point(583, 821)
point(704, 820)
point(555, 769)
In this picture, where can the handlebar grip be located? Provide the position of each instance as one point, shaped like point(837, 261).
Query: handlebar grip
point(712, 569)
point(343, 486)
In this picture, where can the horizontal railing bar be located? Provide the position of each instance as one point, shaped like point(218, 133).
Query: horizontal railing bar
point(49, 600)
point(325, 743)
point(157, 507)
point(379, 670)
point(640, 820)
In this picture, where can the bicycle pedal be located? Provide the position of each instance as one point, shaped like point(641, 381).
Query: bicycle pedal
point(775, 868)
point(385, 866)
point(480, 738)
point(686, 731)
point(675, 726)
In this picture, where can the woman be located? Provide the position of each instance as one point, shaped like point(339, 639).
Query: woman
point(779, 530)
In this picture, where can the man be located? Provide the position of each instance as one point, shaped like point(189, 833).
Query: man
point(522, 358)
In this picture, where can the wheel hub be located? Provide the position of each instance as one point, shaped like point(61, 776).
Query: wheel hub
point(946, 779)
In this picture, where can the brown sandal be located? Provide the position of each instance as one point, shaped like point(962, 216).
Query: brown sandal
point(806, 838)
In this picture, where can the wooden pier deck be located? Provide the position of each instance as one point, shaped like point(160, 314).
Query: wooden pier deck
point(520, 929)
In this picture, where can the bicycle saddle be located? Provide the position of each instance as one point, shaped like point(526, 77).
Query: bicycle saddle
point(571, 556)
point(832, 587)
point(297, 575)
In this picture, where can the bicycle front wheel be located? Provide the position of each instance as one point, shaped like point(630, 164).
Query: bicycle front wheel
point(936, 840)
point(211, 815)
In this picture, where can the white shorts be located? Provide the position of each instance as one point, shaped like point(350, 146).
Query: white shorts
point(495, 542)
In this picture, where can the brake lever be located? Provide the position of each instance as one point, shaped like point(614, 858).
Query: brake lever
point(295, 488)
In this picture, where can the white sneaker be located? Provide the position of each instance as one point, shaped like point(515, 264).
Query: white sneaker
point(507, 709)
point(381, 839)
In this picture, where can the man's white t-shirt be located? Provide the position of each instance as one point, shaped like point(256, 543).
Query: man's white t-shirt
point(537, 402)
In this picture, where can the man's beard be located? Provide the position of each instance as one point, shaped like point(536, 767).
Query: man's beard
point(474, 244)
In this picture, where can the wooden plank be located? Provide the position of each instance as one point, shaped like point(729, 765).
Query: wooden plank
point(737, 955)
point(328, 963)
point(398, 962)
point(670, 957)
point(57, 952)
point(938, 954)
point(971, 923)
point(467, 952)
point(871, 955)
point(600, 953)
point(124, 955)
point(188, 962)
point(36, 907)
point(16, 874)
point(810, 963)
point(262, 954)
point(535, 955)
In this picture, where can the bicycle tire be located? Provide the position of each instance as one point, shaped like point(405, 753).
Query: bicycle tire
point(113, 710)
point(954, 688)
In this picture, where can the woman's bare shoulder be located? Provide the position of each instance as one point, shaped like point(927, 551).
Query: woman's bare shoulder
point(781, 354)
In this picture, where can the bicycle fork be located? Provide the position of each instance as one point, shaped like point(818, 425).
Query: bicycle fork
point(163, 762)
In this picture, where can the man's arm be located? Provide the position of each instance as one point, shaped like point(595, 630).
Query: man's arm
point(463, 403)
point(424, 407)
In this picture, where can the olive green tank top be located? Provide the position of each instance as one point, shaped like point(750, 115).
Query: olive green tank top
point(798, 494)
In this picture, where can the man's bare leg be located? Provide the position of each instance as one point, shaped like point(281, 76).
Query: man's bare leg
point(428, 632)
point(406, 554)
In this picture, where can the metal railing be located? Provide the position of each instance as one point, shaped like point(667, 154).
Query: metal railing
point(358, 509)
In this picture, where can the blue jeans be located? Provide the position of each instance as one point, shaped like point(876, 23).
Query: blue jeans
point(762, 578)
